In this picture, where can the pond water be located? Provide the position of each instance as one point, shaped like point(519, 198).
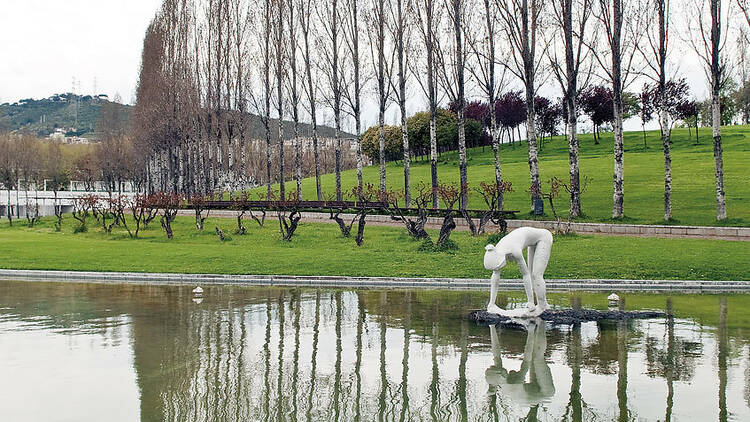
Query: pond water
point(94, 352)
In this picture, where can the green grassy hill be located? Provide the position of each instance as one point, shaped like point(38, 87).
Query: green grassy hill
point(693, 186)
point(42, 117)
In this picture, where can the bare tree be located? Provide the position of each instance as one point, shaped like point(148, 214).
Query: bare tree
point(704, 33)
point(428, 19)
point(329, 16)
point(304, 12)
point(353, 86)
point(281, 63)
point(521, 23)
point(294, 93)
point(618, 65)
point(485, 73)
point(266, 116)
point(400, 29)
point(655, 52)
point(571, 19)
point(377, 19)
point(451, 61)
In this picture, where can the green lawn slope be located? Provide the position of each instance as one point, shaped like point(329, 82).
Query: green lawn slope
point(693, 183)
point(319, 249)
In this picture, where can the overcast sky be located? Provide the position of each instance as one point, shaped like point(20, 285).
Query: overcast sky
point(45, 43)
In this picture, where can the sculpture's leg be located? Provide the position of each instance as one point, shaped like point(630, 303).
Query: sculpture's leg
point(495, 346)
point(492, 307)
point(527, 278)
point(542, 375)
point(541, 258)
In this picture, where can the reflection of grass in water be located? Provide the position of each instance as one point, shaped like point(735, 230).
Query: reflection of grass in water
point(450, 307)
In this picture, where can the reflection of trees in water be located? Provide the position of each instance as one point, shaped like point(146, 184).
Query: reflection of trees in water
point(722, 353)
point(273, 354)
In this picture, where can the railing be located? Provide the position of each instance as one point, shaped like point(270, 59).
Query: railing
point(327, 206)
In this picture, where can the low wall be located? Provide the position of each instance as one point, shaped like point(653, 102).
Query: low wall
point(688, 286)
point(697, 232)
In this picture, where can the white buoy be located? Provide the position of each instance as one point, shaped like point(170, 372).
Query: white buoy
point(613, 299)
point(198, 291)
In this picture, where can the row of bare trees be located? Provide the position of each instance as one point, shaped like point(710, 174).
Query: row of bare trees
point(218, 73)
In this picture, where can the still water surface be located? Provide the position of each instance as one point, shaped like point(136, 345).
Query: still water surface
point(95, 352)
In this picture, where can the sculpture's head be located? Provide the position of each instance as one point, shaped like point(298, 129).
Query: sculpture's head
point(493, 259)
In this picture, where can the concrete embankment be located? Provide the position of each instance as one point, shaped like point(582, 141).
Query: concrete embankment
point(689, 286)
point(642, 230)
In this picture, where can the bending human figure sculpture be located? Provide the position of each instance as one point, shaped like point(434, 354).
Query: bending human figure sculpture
point(539, 245)
point(540, 386)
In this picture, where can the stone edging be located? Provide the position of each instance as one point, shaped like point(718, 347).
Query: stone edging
point(693, 232)
point(692, 286)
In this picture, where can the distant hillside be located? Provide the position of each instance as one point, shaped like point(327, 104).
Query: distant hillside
point(76, 114)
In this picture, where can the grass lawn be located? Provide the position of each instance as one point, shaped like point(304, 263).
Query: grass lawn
point(693, 182)
point(319, 249)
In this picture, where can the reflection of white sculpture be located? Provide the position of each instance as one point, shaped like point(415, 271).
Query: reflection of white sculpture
point(512, 384)
point(539, 244)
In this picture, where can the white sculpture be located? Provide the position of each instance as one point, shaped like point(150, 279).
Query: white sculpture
point(539, 245)
point(513, 384)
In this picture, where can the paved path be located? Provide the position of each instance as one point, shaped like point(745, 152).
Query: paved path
point(642, 230)
point(690, 286)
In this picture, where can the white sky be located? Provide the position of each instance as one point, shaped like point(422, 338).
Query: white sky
point(45, 43)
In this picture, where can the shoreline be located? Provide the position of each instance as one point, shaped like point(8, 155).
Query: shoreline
point(682, 286)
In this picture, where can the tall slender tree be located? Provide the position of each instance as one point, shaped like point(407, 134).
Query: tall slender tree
point(352, 91)
point(484, 71)
point(621, 23)
point(382, 63)
point(428, 19)
point(451, 61)
point(280, 47)
point(400, 29)
point(293, 46)
point(305, 8)
point(571, 18)
point(707, 35)
point(521, 23)
point(655, 52)
point(329, 16)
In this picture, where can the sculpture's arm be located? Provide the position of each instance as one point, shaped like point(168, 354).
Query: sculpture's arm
point(518, 257)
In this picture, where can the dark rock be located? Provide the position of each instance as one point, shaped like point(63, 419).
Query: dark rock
point(563, 317)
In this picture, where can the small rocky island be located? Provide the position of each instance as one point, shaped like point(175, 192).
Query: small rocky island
point(563, 317)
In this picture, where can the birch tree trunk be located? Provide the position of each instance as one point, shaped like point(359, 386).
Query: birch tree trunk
point(267, 94)
point(619, 163)
point(304, 19)
point(279, 41)
point(382, 93)
point(661, 7)
point(458, 32)
point(575, 180)
point(667, 163)
point(721, 208)
point(400, 34)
